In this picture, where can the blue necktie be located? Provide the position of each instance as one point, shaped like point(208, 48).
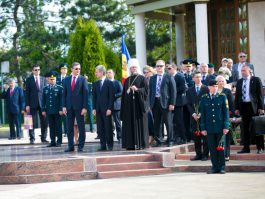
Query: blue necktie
point(197, 90)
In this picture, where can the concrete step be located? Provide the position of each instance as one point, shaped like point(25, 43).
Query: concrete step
point(42, 178)
point(130, 173)
point(128, 166)
point(125, 159)
point(238, 147)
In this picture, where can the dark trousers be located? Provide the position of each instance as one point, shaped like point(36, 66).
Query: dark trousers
point(228, 138)
point(65, 126)
point(71, 116)
point(14, 120)
point(247, 114)
point(43, 123)
point(104, 128)
point(179, 128)
point(90, 118)
point(200, 143)
point(162, 116)
point(217, 157)
point(117, 121)
point(187, 123)
point(55, 128)
point(151, 128)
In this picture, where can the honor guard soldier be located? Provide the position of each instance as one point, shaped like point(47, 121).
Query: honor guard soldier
point(214, 124)
point(51, 108)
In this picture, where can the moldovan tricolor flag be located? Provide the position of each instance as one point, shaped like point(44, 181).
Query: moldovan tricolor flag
point(124, 59)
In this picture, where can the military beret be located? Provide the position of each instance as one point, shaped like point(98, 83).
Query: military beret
point(63, 65)
point(212, 82)
point(52, 74)
point(210, 65)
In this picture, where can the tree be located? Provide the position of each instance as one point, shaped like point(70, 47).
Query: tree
point(86, 47)
point(113, 61)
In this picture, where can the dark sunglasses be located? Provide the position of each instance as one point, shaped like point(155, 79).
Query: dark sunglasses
point(242, 56)
point(77, 68)
point(169, 68)
point(36, 69)
point(160, 66)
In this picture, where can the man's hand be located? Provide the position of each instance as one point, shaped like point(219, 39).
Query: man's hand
point(60, 112)
point(171, 107)
point(261, 111)
point(94, 112)
point(134, 88)
point(108, 113)
point(43, 114)
point(64, 111)
point(83, 111)
point(6, 87)
point(237, 112)
point(27, 109)
point(204, 133)
point(225, 131)
point(22, 112)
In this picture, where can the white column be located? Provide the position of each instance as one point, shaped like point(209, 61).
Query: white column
point(140, 39)
point(202, 32)
point(180, 38)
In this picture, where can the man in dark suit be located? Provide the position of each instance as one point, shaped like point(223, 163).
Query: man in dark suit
point(179, 128)
point(206, 77)
point(15, 105)
point(249, 103)
point(103, 100)
point(60, 81)
point(162, 102)
point(117, 102)
point(34, 86)
point(236, 69)
point(74, 103)
point(194, 95)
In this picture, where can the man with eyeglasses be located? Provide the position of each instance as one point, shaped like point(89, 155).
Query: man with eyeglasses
point(236, 69)
point(33, 94)
point(162, 102)
point(74, 103)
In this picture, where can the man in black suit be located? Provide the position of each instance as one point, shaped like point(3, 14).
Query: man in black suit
point(60, 81)
point(34, 86)
point(194, 95)
point(162, 102)
point(206, 77)
point(117, 102)
point(74, 103)
point(249, 103)
point(179, 128)
point(103, 100)
point(15, 105)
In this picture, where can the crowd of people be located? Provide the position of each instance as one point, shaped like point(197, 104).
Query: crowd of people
point(168, 105)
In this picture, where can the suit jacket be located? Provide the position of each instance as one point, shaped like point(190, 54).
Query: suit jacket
point(167, 91)
point(117, 94)
point(103, 99)
point(207, 79)
point(33, 95)
point(181, 89)
point(79, 97)
point(15, 103)
point(230, 99)
point(235, 73)
point(193, 99)
point(189, 80)
point(59, 81)
point(256, 94)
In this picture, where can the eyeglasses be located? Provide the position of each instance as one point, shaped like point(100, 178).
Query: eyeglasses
point(146, 72)
point(159, 66)
point(169, 68)
point(241, 56)
point(36, 69)
point(77, 68)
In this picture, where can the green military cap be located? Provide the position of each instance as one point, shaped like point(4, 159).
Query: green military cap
point(188, 62)
point(212, 82)
point(210, 65)
point(63, 65)
point(52, 74)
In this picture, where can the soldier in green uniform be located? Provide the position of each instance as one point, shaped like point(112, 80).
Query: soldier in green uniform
point(51, 107)
point(214, 124)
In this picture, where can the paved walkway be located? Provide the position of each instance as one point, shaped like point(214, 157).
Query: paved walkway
point(174, 186)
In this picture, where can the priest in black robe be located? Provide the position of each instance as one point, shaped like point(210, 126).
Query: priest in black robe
point(133, 109)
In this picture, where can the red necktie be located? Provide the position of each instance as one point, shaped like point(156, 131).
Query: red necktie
point(11, 92)
point(37, 84)
point(73, 84)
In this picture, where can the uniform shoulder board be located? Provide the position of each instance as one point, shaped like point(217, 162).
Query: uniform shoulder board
point(59, 86)
point(205, 95)
point(222, 94)
point(45, 86)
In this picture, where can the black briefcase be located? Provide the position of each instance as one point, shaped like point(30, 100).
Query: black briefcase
point(258, 125)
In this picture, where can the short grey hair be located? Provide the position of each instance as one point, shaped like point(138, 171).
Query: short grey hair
point(101, 68)
point(76, 64)
point(11, 80)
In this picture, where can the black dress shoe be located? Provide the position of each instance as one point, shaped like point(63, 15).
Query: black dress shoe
point(204, 158)
point(157, 144)
point(51, 145)
point(243, 151)
point(222, 171)
point(196, 158)
point(102, 149)
point(260, 151)
point(212, 172)
point(80, 150)
point(97, 138)
point(44, 141)
point(31, 141)
point(58, 144)
point(69, 150)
